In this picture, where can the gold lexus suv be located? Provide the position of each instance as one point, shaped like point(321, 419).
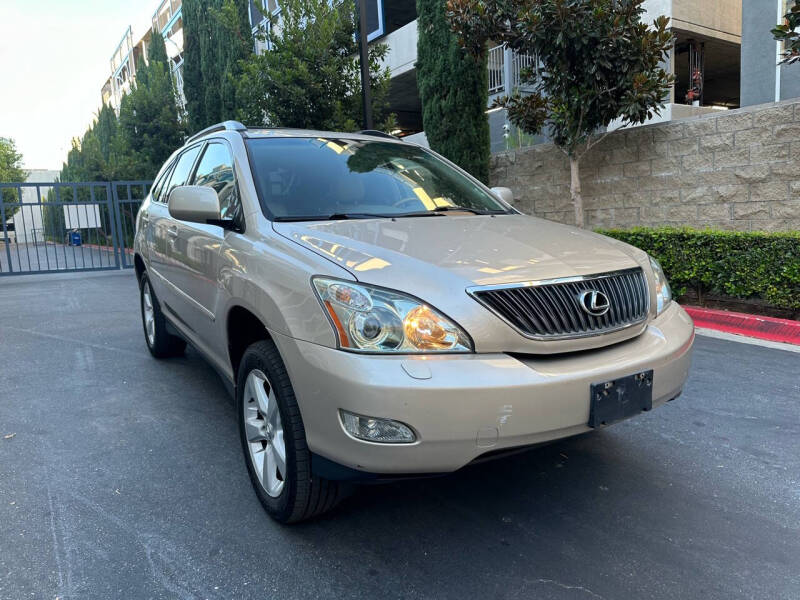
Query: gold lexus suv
point(377, 312)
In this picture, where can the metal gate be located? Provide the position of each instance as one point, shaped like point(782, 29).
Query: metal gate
point(57, 227)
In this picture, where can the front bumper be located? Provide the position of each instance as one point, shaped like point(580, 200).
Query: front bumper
point(464, 405)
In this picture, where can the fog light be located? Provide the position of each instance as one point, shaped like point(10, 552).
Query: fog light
point(373, 429)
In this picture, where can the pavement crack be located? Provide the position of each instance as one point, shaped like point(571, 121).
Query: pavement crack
point(565, 586)
point(56, 549)
point(72, 341)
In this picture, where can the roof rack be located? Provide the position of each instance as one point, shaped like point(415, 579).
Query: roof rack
point(225, 126)
point(376, 133)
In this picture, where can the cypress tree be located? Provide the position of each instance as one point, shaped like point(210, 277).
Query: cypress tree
point(231, 49)
point(105, 129)
point(149, 125)
point(454, 88)
point(157, 51)
point(211, 57)
point(195, 36)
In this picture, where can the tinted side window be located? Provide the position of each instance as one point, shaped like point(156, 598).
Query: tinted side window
point(216, 171)
point(181, 171)
point(159, 186)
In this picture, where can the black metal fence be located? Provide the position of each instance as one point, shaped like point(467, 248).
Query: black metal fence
point(55, 227)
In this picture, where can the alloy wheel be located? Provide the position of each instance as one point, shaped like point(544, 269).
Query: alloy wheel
point(264, 433)
point(149, 314)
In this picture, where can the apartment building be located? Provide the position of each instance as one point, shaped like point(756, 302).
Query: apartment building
point(123, 63)
point(763, 78)
point(706, 58)
point(166, 20)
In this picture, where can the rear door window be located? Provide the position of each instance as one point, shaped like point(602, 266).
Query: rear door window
point(158, 188)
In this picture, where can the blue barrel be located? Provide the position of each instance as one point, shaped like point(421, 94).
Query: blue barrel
point(75, 238)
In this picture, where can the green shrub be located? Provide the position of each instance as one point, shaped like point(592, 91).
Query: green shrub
point(749, 265)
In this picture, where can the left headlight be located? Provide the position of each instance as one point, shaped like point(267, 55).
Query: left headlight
point(663, 291)
point(371, 319)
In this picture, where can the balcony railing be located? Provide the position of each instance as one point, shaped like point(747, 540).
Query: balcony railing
point(496, 66)
point(504, 70)
point(164, 13)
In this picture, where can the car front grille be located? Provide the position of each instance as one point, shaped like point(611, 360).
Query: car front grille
point(552, 309)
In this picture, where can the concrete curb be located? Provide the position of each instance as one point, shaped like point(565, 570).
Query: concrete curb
point(757, 326)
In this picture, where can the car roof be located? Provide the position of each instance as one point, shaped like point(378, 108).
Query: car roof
point(268, 132)
point(284, 132)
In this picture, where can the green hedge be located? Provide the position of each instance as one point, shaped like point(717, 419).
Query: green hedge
point(748, 265)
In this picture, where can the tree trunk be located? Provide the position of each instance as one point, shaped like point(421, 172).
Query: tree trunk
point(575, 191)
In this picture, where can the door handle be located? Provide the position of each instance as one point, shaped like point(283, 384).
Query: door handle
point(172, 231)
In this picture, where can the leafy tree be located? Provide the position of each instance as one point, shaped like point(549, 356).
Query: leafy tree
point(597, 62)
point(789, 33)
point(213, 49)
point(453, 87)
point(11, 171)
point(310, 77)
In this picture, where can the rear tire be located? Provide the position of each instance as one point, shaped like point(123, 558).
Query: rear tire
point(270, 424)
point(160, 342)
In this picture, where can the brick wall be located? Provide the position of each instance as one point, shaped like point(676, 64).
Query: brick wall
point(736, 169)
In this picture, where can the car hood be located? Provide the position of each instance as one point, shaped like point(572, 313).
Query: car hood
point(438, 258)
point(477, 250)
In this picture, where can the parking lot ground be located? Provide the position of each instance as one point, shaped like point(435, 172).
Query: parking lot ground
point(124, 479)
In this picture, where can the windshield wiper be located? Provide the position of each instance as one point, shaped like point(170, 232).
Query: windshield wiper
point(439, 212)
point(476, 211)
point(333, 217)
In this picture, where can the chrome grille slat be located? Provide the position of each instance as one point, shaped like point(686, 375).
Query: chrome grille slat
point(619, 298)
point(542, 316)
point(630, 291)
point(568, 303)
point(551, 309)
point(512, 300)
point(552, 303)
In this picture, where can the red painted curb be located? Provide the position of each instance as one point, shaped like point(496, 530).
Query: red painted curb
point(757, 326)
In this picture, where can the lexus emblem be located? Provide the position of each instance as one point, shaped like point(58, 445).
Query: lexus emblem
point(594, 303)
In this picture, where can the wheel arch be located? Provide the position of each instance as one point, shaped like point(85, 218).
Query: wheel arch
point(138, 266)
point(242, 328)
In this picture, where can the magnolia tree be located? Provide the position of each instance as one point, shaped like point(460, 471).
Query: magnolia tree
point(789, 33)
point(595, 62)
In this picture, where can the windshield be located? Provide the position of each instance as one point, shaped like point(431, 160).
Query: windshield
point(329, 178)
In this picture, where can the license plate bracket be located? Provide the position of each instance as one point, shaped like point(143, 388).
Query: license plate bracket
point(613, 401)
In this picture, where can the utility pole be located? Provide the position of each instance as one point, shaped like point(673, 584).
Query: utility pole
point(366, 93)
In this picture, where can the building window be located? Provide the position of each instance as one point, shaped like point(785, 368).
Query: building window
point(259, 10)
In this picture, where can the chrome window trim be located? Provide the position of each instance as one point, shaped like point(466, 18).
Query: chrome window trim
point(474, 290)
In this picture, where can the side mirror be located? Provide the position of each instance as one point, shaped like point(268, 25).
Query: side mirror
point(195, 204)
point(505, 194)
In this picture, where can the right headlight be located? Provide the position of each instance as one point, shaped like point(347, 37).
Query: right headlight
point(663, 291)
point(372, 319)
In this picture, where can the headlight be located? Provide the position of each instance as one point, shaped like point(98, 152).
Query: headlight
point(663, 293)
point(371, 319)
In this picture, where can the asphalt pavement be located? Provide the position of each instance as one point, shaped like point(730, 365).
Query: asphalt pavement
point(122, 477)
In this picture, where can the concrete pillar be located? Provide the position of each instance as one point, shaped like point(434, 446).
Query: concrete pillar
point(508, 79)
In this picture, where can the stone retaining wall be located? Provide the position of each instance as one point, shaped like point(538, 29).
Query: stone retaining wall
point(736, 169)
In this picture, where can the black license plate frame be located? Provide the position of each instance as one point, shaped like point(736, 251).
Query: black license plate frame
point(621, 398)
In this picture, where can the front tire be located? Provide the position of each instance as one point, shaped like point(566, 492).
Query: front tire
point(274, 440)
point(160, 342)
